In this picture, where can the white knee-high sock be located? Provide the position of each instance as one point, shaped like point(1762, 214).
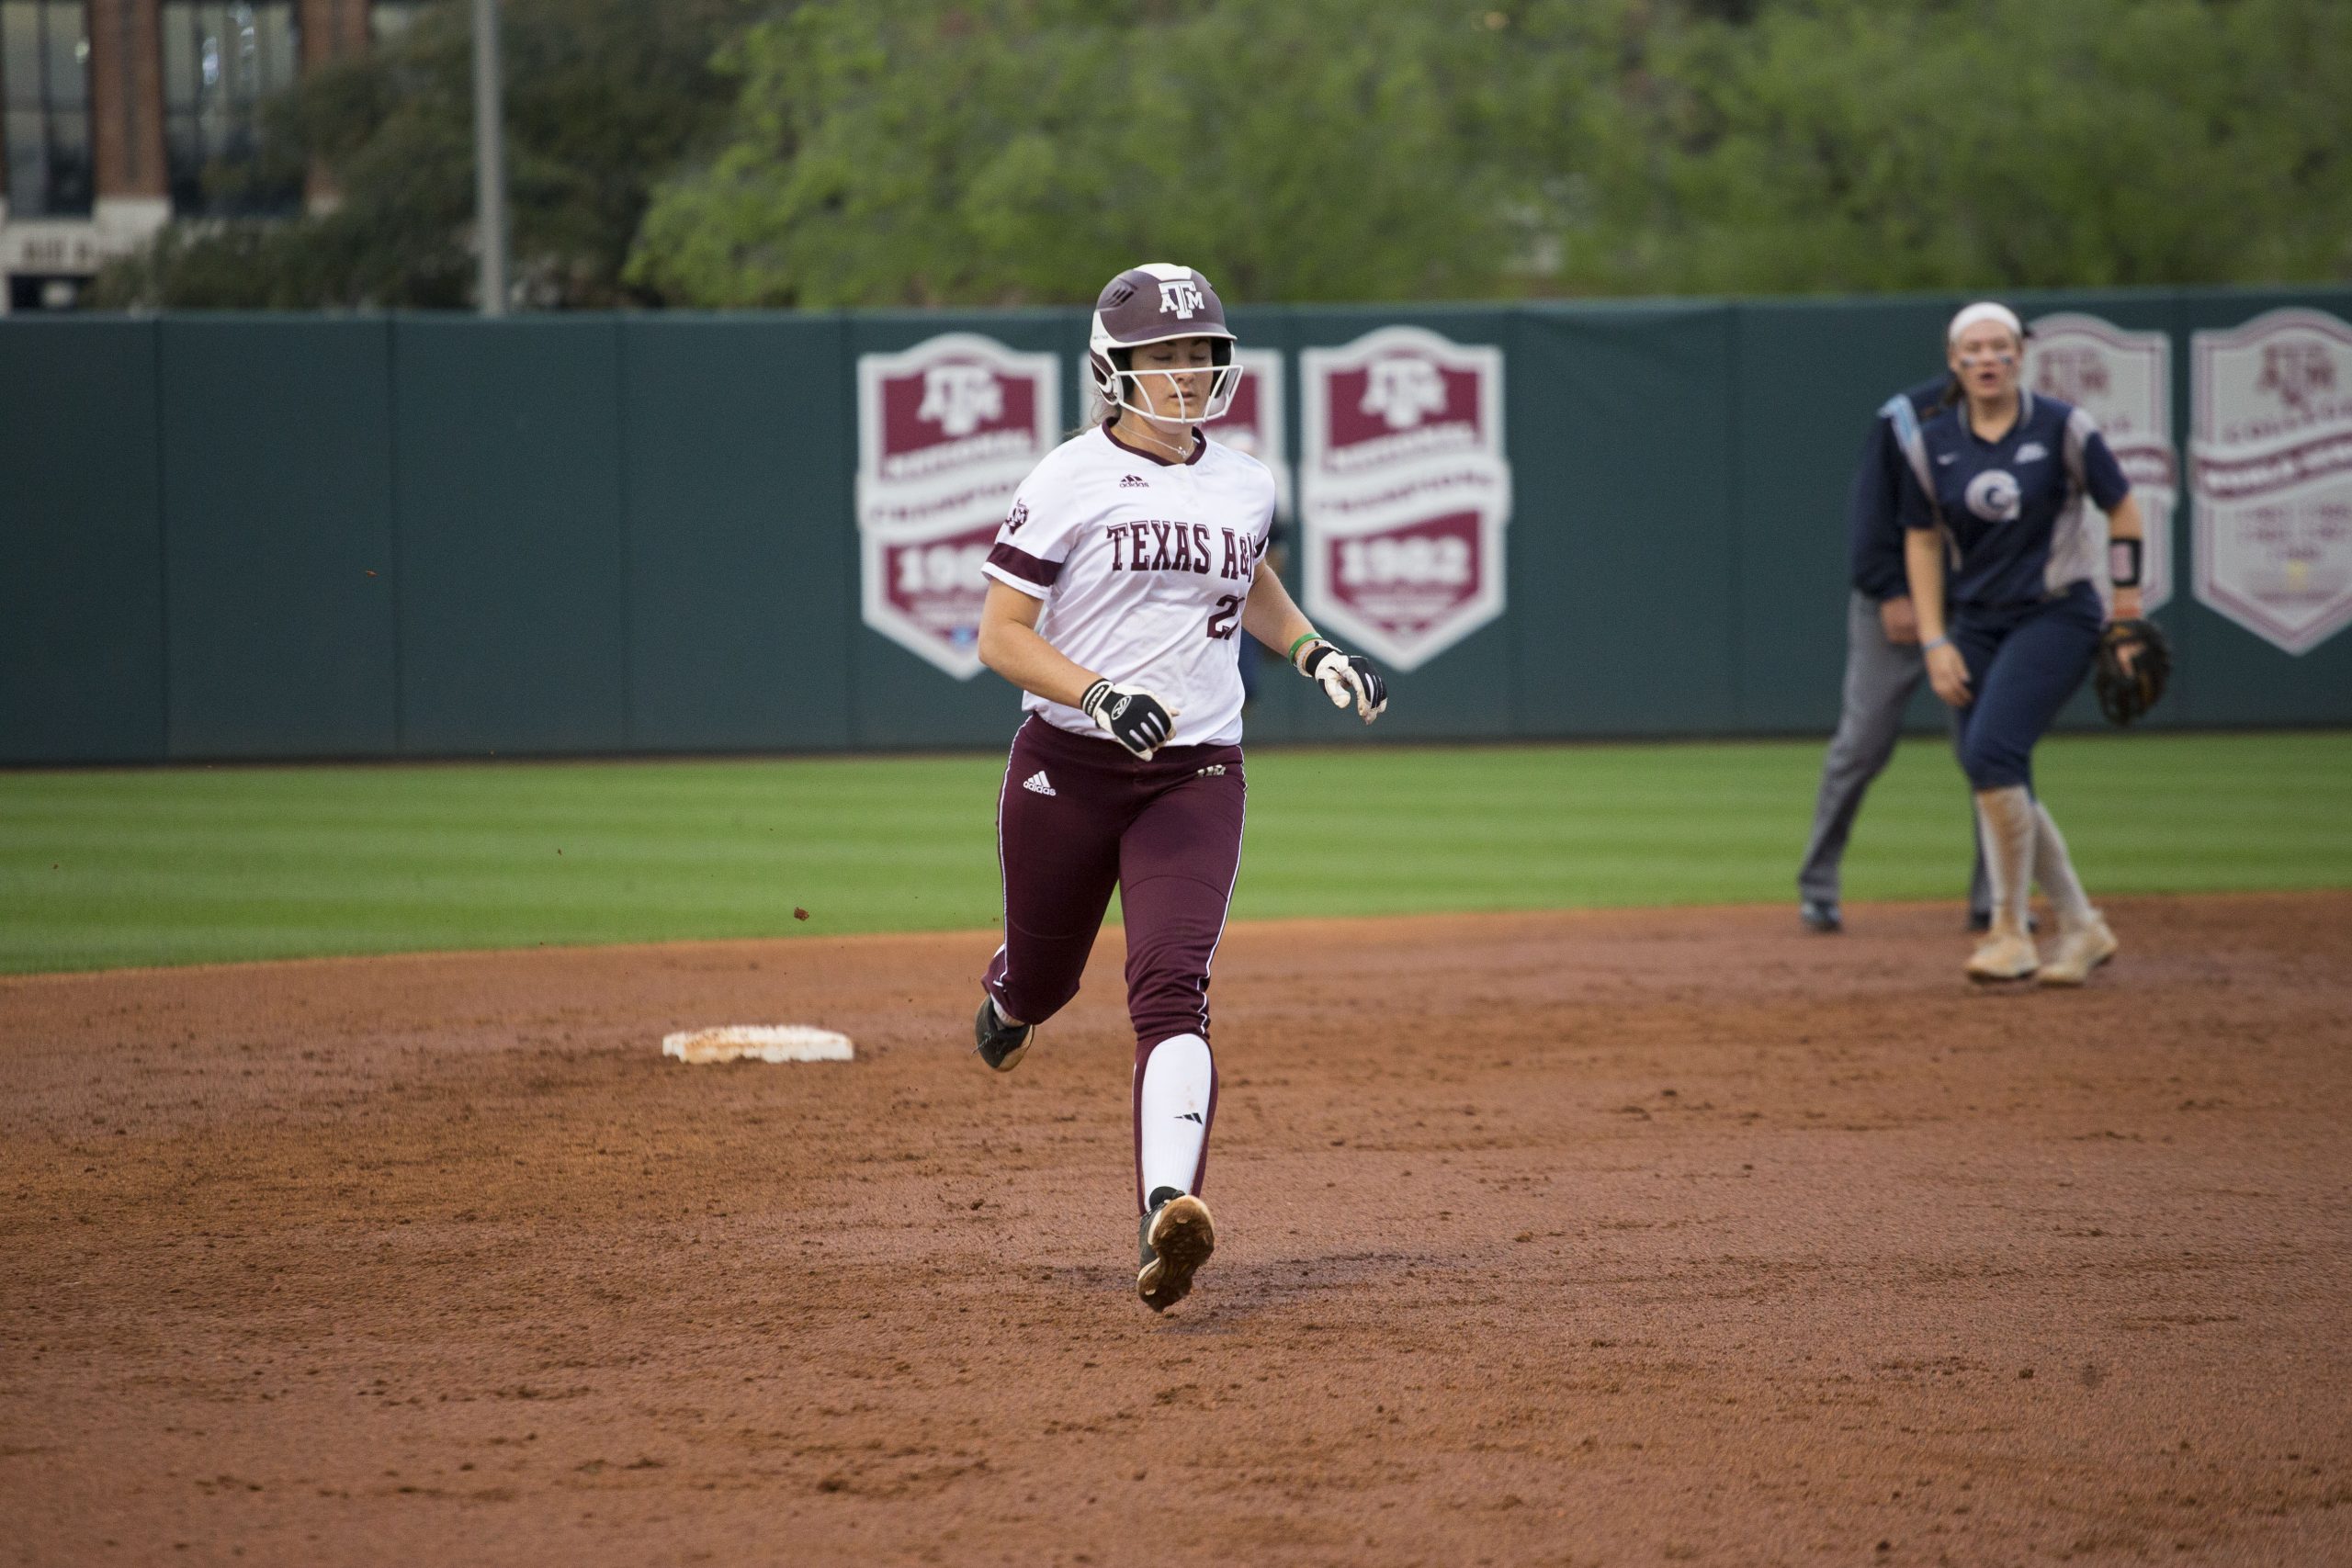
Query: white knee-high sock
point(2010, 829)
point(1173, 1104)
point(2055, 871)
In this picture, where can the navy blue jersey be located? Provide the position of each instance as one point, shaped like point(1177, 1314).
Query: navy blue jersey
point(2017, 510)
point(1873, 532)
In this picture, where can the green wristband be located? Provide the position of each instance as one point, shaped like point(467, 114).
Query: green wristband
point(1303, 639)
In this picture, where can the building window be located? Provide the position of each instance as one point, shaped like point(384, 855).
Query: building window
point(45, 66)
point(220, 62)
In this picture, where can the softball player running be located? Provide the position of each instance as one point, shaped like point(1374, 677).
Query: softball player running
point(1132, 558)
point(2012, 473)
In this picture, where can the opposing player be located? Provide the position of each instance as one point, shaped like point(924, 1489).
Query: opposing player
point(1883, 665)
point(2014, 477)
point(1132, 558)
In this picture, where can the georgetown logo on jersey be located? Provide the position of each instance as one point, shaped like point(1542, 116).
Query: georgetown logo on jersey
point(1992, 495)
point(1179, 299)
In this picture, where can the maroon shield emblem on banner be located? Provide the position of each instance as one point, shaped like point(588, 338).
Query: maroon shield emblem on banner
point(1405, 492)
point(947, 431)
point(1410, 397)
point(2123, 380)
point(2271, 467)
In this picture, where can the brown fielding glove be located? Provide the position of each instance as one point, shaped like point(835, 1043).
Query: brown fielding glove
point(2126, 694)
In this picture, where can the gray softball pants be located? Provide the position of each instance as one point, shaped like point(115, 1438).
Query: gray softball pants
point(1879, 678)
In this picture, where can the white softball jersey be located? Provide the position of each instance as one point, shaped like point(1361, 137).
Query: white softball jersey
point(1144, 566)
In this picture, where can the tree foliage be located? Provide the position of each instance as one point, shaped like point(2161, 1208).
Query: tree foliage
point(1845, 144)
point(602, 98)
point(1016, 150)
point(986, 150)
point(741, 153)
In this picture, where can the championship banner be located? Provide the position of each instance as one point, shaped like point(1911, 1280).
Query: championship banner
point(2270, 466)
point(947, 431)
point(2122, 379)
point(1404, 492)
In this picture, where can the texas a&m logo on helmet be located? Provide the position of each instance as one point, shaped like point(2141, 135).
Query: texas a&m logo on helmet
point(1182, 299)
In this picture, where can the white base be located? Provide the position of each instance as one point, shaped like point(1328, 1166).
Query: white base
point(758, 1042)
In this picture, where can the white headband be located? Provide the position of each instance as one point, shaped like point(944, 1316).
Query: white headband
point(1984, 310)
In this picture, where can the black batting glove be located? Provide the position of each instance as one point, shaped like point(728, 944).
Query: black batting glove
point(1133, 717)
point(1346, 678)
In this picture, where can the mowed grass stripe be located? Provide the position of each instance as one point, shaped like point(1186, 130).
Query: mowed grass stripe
point(100, 869)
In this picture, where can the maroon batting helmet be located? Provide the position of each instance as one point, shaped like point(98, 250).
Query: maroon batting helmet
point(1153, 303)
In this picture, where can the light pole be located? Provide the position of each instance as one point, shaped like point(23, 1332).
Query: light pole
point(489, 160)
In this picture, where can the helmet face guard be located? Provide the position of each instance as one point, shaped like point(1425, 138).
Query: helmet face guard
point(1159, 302)
point(1123, 388)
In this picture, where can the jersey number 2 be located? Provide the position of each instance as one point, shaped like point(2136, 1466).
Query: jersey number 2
point(1221, 619)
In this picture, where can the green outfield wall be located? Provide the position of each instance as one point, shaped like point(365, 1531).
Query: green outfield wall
point(280, 537)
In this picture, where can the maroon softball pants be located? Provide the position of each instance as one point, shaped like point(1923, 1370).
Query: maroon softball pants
point(1078, 817)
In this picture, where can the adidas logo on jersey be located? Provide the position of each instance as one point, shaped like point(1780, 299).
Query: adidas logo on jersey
point(1134, 482)
point(1035, 784)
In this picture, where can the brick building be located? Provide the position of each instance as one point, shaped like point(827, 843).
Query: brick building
point(116, 115)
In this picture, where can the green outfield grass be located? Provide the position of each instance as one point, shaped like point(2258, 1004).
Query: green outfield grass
point(100, 869)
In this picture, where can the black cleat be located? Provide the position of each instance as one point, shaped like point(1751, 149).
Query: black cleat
point(1821, 915)
point(1176, 1238)
point(1000, 1044)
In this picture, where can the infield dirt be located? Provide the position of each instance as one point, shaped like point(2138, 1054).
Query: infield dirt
point(1677, 1236)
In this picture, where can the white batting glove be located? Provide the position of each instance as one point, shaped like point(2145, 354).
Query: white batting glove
point(1346, 678)
point(1131, 716)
